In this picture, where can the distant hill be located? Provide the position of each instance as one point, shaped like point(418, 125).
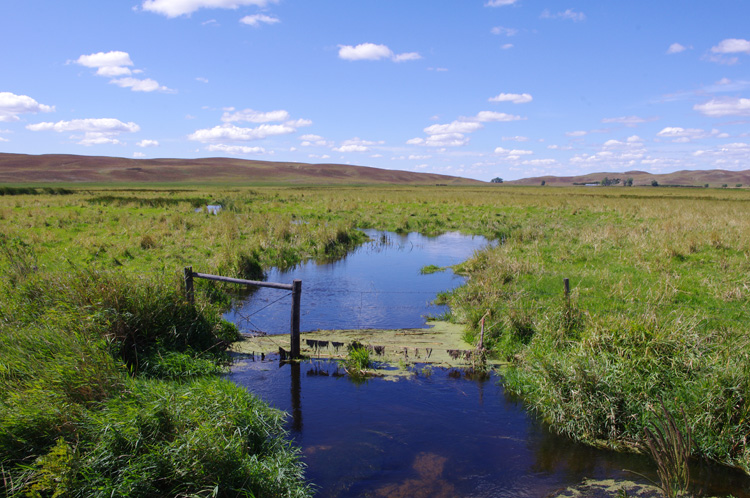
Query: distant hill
point(53, 168)
point(714, 178)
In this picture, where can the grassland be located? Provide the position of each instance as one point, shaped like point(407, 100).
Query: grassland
point(108, 375)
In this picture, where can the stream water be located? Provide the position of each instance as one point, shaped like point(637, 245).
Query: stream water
point(439, 433)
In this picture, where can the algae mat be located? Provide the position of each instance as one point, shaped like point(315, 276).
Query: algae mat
point(430, 345)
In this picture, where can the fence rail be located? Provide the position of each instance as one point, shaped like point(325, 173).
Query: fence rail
point(295, 287)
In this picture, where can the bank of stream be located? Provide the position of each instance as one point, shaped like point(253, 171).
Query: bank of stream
point(425, 423)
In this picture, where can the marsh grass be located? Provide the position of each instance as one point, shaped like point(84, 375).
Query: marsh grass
point(658, 309)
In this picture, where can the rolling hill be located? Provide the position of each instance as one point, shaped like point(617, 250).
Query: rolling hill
point(698, 178)
point(54, 168)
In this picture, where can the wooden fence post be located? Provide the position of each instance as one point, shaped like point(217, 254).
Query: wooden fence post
point(566, 283)
point(296, 298)
point(189, 292)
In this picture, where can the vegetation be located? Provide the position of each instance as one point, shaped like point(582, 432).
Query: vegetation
point(108, 379)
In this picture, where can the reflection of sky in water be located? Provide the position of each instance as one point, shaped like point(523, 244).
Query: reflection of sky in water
point(437, 435)
point(378, 285)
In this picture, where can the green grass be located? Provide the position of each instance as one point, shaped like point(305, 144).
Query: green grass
point(93, 317)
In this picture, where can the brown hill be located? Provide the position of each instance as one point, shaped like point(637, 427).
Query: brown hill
point(714, 178)
point(52, 168)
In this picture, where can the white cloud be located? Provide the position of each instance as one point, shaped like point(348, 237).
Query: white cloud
point(568, 14)
point(488, 116)
point(148, 143)
point(114, 64)
point(310, 140)
point(577, 133)
point(516, 98)
point(512, 153)
point(11, 105)
point(441, 140)
point(685, 135)
point(454, 127)
point(407, 56)
point(201, 79)
point(724, 107)
point(351, 148)
point(732, 46)
point(107, 63)
point(517, 138)
point(507, 46)
point(676, 48)
point(499, 3)
point(136, 85)
point(94, 125)
point(258, 19)
point(235, 149)
point(138, 155)
point(373, 52)
point(501, 30)
point(96, 131)
point(232, 133)
point(629, 121)
point(175, 8)
point(253, 116)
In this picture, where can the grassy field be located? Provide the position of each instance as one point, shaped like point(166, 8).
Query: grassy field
point(107, 375)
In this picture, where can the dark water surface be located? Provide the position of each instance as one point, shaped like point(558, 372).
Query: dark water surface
point(378, 285)
point(436, 434)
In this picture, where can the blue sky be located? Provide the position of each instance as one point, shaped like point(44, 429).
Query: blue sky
point(474, 88)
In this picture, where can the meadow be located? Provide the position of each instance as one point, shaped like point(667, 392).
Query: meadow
point(108, 377)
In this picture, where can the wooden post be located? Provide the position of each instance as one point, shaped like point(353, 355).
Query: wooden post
point(566, 283)
point(189, 292)
point(296, 298)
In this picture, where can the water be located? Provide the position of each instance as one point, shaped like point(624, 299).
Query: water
point(378, 285)
point(436, 434)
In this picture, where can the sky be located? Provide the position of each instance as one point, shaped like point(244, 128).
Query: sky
point(473, 88)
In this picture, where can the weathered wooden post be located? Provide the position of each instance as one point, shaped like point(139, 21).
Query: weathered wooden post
point(566, 283)
point(296, 298)
point(189, 292)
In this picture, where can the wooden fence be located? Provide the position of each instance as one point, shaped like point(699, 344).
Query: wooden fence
point(295, 287)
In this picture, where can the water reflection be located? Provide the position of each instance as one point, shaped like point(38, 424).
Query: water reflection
point(378, 285)
point(437, 434)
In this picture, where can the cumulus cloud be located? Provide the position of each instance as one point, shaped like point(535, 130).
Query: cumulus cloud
point(454, 127)
point(355, 144)
point(235, 149)
point(516, 138)
point(11, 105)
point(732, 46)
point(488, 116)
point(499, 3)
point(512, 153)
point(676, 48)
point(724, 107)
point(96, 131)
point(441, 140)
point(310, 140)
point(258, 19)
point(374, 52)
point(176, 8)
point(569, 15)
point(95, 125)
point(253, 116)
point(145, 85)
point(148, 143)
point(231, 133)
point(516, 98)
point(685, 135)
point(115, 64)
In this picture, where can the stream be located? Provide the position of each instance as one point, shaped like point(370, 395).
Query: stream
point(438, 433)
